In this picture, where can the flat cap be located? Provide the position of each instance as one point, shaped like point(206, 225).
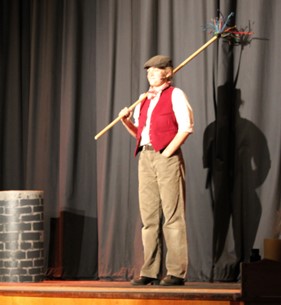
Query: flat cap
point(159, 61)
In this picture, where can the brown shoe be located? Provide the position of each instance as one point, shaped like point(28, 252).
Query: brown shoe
point(171, 280)
point(144, 280)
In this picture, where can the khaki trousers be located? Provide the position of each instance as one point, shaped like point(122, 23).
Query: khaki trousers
point(162, 193)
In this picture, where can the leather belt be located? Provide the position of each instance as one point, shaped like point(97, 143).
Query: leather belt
point(147, 147)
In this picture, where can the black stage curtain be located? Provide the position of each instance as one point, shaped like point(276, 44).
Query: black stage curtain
point(67, 67)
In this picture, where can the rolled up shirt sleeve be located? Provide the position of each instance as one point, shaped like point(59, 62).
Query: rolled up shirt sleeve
point(183, 111)
point(136, 115)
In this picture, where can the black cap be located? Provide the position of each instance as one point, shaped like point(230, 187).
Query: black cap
point(159, 61)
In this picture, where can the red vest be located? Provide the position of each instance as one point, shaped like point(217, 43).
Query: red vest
point(163, 123)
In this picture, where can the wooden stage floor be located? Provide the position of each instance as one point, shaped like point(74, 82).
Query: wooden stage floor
point(118, 293)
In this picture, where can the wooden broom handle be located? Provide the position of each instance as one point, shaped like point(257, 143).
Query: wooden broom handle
point(213, 39)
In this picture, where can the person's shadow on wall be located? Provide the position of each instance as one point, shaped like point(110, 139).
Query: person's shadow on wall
point(236, 154)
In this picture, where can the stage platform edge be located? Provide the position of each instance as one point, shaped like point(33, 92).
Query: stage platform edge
point(118, 293)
